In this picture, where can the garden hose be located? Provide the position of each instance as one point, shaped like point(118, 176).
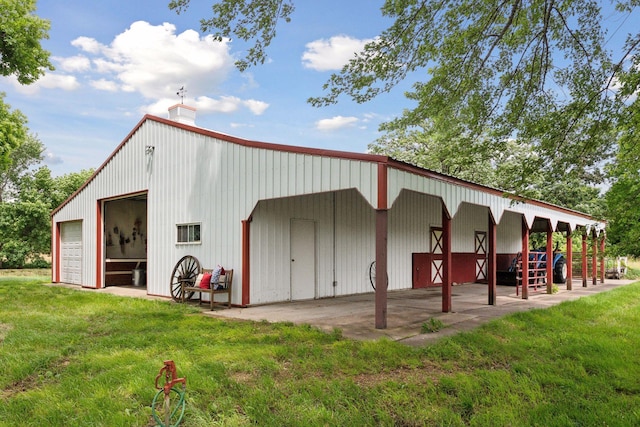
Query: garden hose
point(180, 406)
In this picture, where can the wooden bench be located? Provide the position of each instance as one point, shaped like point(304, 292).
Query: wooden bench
point(224, 282)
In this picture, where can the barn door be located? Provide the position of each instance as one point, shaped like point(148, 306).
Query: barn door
point(71, 252)
point(421, 270)
point(303, 259)
point(481, 256)
point(437, 256)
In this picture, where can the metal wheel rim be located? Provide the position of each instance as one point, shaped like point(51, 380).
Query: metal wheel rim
point(372, 275)
point(187, 268)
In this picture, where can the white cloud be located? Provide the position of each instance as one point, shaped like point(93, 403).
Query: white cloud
point(52, 159)
point(74, 63)
point(224, 104)
point(205, 104)
point(106, 85)
point(335, 123)
point(87, 44)
point(331, 54)
point(241, 125)
point(48, 81)
point(256, 107)
point(154, 61)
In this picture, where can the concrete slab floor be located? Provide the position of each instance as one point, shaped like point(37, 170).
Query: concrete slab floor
point(407, 310)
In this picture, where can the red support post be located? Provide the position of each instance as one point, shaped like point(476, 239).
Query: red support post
point(382, 229)
point(492, 262)
point(594, 260)
point(584, 261)
point(549, 263)
point(246, 262)
point(446, 260)
point(569, 260)
point(99, 243)
point(602, 259)
point(525, 259)
point(381, 268)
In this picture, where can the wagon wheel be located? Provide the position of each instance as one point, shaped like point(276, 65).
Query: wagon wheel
point(372, 275)
point(187, 268)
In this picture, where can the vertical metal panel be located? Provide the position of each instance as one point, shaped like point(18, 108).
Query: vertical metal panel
point(270, 245)
point(355, 242)
point(345, 244)
point(509, 233)
point(454, 195)
point(469, 219)
point(410, 218)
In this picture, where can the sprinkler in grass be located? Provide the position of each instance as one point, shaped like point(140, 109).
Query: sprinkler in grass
point(169, 410)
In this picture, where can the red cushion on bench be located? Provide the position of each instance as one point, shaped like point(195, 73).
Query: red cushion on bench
point(206, 281)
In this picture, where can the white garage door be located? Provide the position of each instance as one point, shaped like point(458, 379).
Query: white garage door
point(71, 252)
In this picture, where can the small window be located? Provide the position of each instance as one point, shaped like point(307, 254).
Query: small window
point(188, 233)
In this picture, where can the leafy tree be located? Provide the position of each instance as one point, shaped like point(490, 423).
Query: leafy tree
point(533, 71)
point(13, 131)
point(623, 198)
point(26, 232)
point(25, 222)
point(28, 154)
point(20, 33)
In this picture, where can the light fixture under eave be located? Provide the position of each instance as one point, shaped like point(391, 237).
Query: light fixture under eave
point(149, 149)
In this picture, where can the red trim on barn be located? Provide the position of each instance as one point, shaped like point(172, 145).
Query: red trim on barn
point(99, 227)
point(465, 263)
point(382, 186)
point(55, 273)
point(246, 261)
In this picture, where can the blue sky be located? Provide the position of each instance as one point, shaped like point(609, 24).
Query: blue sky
point(118, 60)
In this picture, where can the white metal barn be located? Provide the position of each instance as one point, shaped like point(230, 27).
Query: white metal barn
point(294, 223)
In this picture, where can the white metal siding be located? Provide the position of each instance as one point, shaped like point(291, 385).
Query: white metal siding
point(271, 245)
point(509, 233)
point(343, 252)
point(410, 219)
point(468, 220)
point(453, 195)
point(355, 243)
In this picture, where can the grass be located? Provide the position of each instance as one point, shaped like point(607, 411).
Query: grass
point(72, 358)
point(432, 325)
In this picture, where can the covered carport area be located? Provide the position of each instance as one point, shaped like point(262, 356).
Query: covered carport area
point(409, 309)
point(395, 177)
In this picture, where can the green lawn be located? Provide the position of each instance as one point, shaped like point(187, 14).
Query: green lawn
point(71, 358)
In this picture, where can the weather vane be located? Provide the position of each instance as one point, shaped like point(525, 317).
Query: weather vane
point(181, 93)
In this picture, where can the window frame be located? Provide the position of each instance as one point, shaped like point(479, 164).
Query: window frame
point(191, 232)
